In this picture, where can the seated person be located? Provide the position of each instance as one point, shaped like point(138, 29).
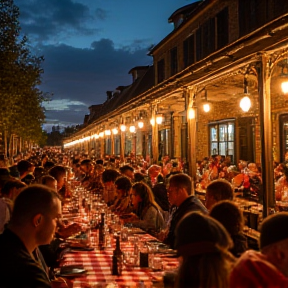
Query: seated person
point(269, 267)
point(108, 177)
point(203, 243)
point(49, 181)
point(59, 173)
point(160, 193)
point(180, 197)
point(148, 214)
point(218, 190)
point(9, 192)
point(33, 223)
point(231, 217)
point(122, 201)
point(128, 171)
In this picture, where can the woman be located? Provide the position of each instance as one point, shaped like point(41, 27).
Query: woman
point(148, 214)
point(60, 174)
point(231, 217)
point(121, 204)
point(202, 244)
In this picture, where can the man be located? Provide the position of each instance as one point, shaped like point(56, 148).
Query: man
point(36, 212)
point(216, 191)
point(128, 171)
point(179, 192)
point(109, 177)
point(268, 268)
point(9, 192)
point(26, 170)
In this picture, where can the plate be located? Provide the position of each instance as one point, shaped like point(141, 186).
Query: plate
point(71, 271)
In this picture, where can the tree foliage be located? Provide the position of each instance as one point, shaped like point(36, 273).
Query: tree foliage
point(21, 110)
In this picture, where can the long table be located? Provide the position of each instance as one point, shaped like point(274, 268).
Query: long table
point(97, 264)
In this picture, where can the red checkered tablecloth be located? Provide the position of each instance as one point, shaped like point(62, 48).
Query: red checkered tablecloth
point(98, 267)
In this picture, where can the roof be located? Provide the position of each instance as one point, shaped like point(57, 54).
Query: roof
point(184, 11)
point(120, 98)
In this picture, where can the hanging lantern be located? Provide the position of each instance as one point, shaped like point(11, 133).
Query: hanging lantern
point(245, 104)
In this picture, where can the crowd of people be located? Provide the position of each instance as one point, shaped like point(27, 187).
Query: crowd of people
point(207, 235)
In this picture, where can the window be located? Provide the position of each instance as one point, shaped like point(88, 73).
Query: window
point(222, 138)
point(189, 51)
point(208, 37)
point(222, 22)
point(255, 13)
point(161, 71)
point(205, 39)
point(173, 61)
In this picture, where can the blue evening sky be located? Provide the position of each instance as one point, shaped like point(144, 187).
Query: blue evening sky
point(89, 47)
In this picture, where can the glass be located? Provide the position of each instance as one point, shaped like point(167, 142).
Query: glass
point(130, 259)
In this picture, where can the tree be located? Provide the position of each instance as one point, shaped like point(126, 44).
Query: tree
point(21, 110)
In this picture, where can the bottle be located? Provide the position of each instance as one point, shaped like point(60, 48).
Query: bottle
point(117, 259)
point(102, 232)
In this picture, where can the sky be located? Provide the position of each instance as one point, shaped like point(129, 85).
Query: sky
point(89, 47)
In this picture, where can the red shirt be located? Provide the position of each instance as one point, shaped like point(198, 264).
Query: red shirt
point(253, 270)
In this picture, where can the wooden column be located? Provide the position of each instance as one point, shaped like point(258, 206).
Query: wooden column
point(155, 140)
point(112, 144)
point(191, 135)
point(264, 79)
point(122, 145)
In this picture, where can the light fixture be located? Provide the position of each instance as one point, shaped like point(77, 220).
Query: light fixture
point(159, 119)
point(132, 129)
point(122, 127)
point(115, 131)
point(206, 104)
point(191, 113)
point(284, 87)
point(140, 124)
point(152, 121)
point(284, 74)
point(101, 134)
point(107, 132)
point(245, 102)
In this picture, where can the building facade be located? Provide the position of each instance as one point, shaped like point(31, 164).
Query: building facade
point(222, 53)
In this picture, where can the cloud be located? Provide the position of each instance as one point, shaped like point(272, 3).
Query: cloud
point(64, 104)
point(79, 78)
point(87, 74)
point(51, 20)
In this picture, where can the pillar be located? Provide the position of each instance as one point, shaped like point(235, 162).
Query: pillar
point(264, 79)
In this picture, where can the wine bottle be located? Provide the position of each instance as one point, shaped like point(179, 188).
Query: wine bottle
point(117, 259)
point(102, 232)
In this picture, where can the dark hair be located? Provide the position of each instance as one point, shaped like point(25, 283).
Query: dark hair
point(147, 196)
point(181, 180)
point(123, 183)
point(48, 165)
point(99, 161)
point(125, 168)
point(204, 252)
point(10, 184)
point(220, 189)
point(229, 215)
point(138, 176)
point(23, 166)
point(273, 229)
point(75, 161)
point(32, 200)
point(39, 172)
point(57, 172)
point(85, 162)
point(110, 175)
